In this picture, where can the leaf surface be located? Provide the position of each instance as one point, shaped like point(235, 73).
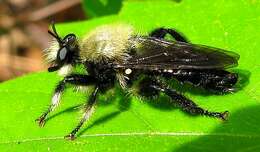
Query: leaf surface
point(153, 125)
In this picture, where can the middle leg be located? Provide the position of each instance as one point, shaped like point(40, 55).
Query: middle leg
point(88, 111)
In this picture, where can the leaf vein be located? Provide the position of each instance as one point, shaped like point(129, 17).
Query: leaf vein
point(167, 134)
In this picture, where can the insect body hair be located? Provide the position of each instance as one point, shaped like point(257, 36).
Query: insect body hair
point(106, 42)
point(143, 65)
point(50, 53)
point(109, 43)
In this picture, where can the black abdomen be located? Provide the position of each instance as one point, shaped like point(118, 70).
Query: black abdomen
point(214, 80)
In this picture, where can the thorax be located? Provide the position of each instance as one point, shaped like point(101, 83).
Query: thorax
point(104, 74)
point(106, 42)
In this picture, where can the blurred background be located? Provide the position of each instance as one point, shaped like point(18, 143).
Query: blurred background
point(24, 25)
point(23, 32)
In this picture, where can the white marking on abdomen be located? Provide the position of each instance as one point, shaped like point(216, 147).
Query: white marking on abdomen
point(128, 71)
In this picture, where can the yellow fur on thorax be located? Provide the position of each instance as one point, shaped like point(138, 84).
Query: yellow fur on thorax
point(106, 42)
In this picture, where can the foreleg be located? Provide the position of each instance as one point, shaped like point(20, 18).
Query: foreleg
point(75, 79)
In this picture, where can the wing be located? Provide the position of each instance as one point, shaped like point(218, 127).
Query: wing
point(156, 54)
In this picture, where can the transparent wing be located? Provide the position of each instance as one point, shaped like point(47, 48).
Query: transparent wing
point(155, 54)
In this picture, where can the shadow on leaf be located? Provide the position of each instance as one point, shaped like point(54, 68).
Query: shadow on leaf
point(116, 95)
point(100, 121)
point(240, 133)
point(68, 110)
point(243, 79)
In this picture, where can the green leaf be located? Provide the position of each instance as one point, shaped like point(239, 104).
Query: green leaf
point(121, 125)
point(96, 8)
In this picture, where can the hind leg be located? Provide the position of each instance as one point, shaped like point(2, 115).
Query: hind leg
point(161, 33)
point(151, 87)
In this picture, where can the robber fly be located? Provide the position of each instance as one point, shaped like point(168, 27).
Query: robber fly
point(115, 55)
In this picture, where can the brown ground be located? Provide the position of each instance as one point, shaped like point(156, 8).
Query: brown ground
point(23, 32)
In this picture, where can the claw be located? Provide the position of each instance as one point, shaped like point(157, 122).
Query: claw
point(70, 136)
point(41, 121)
point(224, 116)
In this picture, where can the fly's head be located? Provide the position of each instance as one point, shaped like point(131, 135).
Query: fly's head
point(68, 50)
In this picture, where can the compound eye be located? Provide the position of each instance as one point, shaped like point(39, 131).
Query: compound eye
point(70, 39)
point(63, 53)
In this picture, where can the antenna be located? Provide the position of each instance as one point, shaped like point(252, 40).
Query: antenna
point(54, 33)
